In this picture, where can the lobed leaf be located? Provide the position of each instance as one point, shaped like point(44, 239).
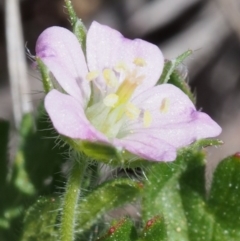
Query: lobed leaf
point(224, 200)
point(162, 192)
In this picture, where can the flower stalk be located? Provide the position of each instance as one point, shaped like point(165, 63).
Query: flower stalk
point(70, 199)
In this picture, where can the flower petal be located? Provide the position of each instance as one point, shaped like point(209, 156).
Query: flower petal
point(182, 134)
point(60, 50)
point(177, 123)
point(106, 47)
point(146, 147)
point(69, 119)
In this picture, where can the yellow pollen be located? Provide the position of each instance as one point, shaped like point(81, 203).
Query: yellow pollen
point(132, 112)
point(147, 118)
point(121, 66)
point(164, 108)
point(140, 62)
point(110, 78)
point(92, 75)
point(110, 100)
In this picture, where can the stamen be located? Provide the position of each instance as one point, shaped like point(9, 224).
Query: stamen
point(140, 62)
point(110, 100)
point(128, 86)
point(140, 79)
point(132, 111)
point(92, 75)
point(110, 78)
point(121, 66)
point(147, 118)
point(164, 108)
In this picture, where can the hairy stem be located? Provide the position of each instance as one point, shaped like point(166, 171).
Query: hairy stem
point(71, 196)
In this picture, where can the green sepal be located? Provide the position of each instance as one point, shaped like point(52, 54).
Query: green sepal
point(177, 80)
point(78, 27)
point(224, 199)
point(162, 192)
point(154, 230)
point(101, 151)
point(170, 66)
point(41, 220)
point(202, 143)
point(45, 75)
point(121, 230)
point(107, 154)
point(104, 198)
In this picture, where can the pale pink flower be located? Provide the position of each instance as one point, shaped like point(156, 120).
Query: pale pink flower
point(111, 97)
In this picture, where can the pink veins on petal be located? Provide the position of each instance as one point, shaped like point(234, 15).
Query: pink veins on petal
point(112, 97)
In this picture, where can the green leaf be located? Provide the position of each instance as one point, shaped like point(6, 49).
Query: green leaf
point(78, 27)
point(224, 200)
point(4, 134)
point(193, 199)
point(37, 167)
point(122, 230)
point(155, 230)
point(216, 219)
point(177, 80)
point(162, 192)
point(8, 211)
point(104, 198)
point(20, 178)
point(171, 65)
point(40, 222)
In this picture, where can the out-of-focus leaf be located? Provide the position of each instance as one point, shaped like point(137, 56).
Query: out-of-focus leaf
point(39, 159)
point(40, 222)
point(4, 133)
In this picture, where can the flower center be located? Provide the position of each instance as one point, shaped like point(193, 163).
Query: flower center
point(109, 114)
